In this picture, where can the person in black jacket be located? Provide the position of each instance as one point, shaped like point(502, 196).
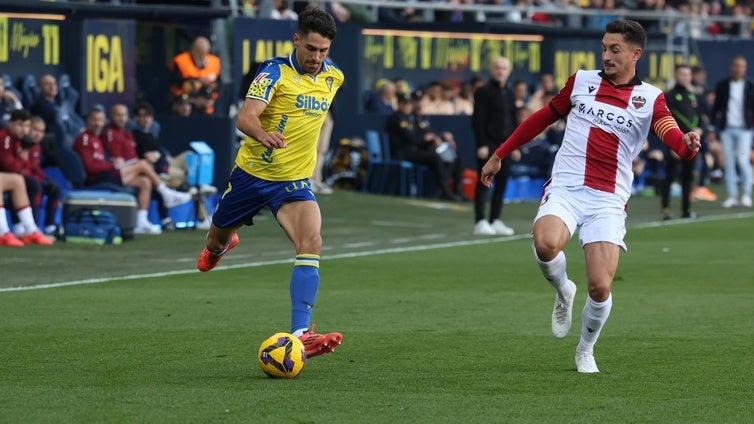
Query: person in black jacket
point(494, 119)
point(687, 110)
point(412, 139)
point(734, 118)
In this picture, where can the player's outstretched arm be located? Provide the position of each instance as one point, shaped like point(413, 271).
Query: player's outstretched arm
point(684, 145)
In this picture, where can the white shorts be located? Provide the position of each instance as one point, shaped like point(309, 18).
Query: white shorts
point(598, 215)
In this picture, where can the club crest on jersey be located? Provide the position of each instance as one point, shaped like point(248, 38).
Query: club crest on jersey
point(638, 101)
point(329, 81)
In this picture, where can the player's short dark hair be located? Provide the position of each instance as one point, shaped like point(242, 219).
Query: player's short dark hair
point(20, 115)
point(314, 19)
point(632, 31)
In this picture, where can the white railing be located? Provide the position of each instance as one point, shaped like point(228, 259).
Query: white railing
point(667, 20)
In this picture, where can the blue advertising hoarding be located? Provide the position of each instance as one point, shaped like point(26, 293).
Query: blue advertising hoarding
point(108, 63)
point(31, 44)
point(255, 40)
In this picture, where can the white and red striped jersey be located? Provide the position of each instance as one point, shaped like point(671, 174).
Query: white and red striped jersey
point(606, 127)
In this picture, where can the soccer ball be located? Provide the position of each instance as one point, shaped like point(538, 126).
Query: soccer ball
point(282, 355)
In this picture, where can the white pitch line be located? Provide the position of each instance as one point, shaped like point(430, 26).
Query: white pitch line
point(385, 251)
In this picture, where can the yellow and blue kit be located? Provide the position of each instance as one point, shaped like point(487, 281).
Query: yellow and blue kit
point(296, 107)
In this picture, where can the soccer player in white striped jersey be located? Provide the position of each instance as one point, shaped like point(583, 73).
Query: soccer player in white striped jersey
point(609, 115)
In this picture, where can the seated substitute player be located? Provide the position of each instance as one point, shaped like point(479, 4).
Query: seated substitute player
point(14, 183)
point(282, 117)
point(138, 173)
point(610, 113)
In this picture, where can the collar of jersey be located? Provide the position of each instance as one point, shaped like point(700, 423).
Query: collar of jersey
point(634, 81)
point(294, 64)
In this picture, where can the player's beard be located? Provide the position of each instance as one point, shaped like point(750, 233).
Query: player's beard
point(313, 67)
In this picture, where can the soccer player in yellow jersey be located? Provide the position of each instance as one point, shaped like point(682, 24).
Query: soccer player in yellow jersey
point(282, 116)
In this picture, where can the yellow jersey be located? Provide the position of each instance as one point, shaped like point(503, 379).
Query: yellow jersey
point(297, 103)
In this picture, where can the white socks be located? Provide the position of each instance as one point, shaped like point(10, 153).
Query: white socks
point(3, 221)
point(593, 317)
point(554, 271)
point(26, 218)
point(142, 219)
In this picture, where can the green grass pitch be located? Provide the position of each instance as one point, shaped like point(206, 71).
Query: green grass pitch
point(439, 326)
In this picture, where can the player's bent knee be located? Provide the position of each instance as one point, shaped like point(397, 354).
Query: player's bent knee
point(546, 248)
point(311, 245)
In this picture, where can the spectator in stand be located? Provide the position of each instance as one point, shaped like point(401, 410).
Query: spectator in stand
point(172, 169)
point(402, 86)
point(715, 8)
point(494, 119)
point(132, 173)
point(20, 153)
point(606, 14)
point(520, 93)
point(181, 106)
point(443, 145)
point(412, 139)
point(281, 11)
point(686, 109)
point(432, 102)
point(466, 96)
point(657, 6)
point(196, 74)
point(454, 103)
point(8, 103)
point(734, 28)
point(344, 12)
point(457, 15)
point(407, 14)
point(385, 101)
point(546, 86)
point(734, 118)
point(14, 183)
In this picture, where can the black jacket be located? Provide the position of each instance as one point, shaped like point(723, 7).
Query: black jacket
point(406, 133)
point(720, 109)
point(494, 117)
point(685, 107)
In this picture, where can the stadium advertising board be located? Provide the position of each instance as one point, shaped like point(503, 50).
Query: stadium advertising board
point(423, 56)
point(30, 44)
point(255, 40)
point(570, 55)
point(109, 63)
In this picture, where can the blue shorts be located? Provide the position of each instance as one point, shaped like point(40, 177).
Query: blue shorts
point(246, 195)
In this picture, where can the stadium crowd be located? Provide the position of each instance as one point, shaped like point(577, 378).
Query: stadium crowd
point(697, 18)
